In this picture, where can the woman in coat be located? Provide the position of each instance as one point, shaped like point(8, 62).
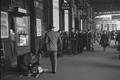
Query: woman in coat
point(104, 41)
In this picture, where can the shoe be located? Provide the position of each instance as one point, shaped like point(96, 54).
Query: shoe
point(54, 72)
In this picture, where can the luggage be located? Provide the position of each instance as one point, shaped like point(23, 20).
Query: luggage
point(31, 64)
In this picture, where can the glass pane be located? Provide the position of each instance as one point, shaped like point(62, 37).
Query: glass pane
point(22, 29)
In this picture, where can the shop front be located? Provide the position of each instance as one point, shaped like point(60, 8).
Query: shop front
point(15, 31)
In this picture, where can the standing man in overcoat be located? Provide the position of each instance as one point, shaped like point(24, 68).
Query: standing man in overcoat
point(52, 38)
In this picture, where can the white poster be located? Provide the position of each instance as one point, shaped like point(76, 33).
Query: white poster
point(66, 20)
point(4, 25)
point(56, 14)
point(38, 24)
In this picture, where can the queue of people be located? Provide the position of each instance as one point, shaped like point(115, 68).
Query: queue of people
point(77, 41)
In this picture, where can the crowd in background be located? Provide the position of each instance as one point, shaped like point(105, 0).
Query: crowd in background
point(78, 41)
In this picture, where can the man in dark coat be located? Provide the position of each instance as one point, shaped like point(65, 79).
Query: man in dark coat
point(89, 38)
point(84, 37)
point(72, 38)
point(80, 42)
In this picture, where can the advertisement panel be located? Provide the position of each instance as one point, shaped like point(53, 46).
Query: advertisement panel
point(4, 25)
point(38, 24)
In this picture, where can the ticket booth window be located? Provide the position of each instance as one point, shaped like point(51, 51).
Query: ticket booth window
point(22, 31)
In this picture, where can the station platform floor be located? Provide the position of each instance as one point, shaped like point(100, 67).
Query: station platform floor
point(92, 65)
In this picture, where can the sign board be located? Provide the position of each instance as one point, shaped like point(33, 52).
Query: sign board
point(22, 10)
point(115, 17)
point(66, 6)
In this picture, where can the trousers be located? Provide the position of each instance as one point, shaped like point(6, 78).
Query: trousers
point(53, 59)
